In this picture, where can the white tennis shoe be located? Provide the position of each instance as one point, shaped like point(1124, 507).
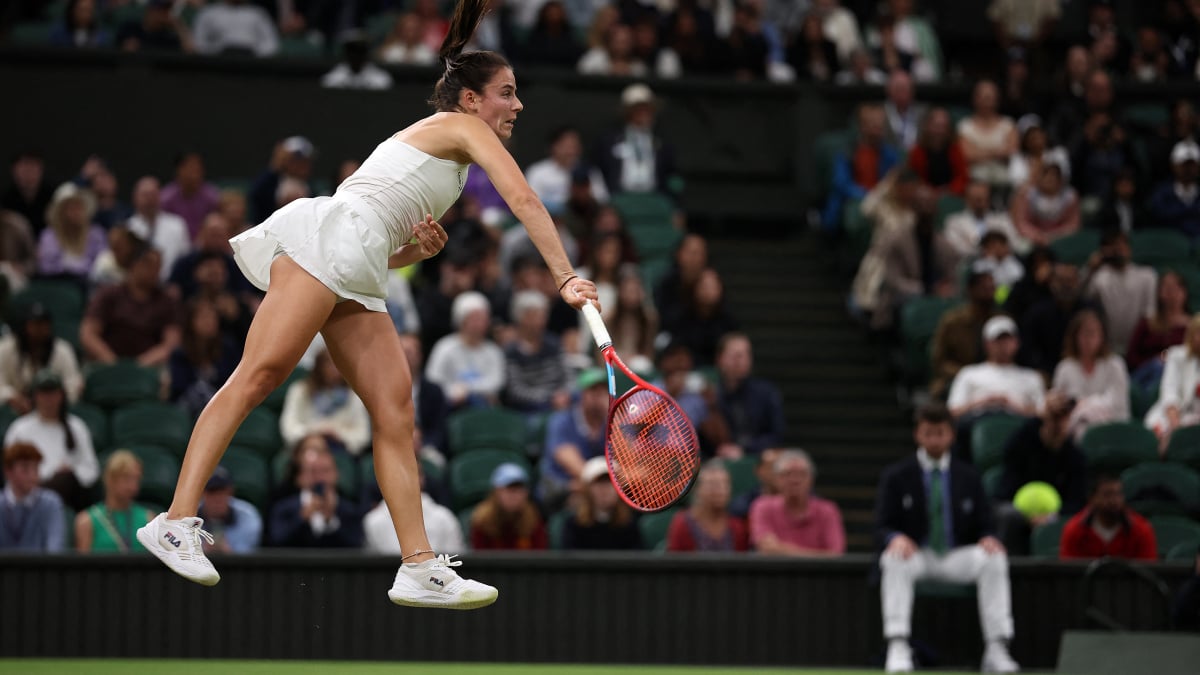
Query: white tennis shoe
point(177, 543)
point(433, 584)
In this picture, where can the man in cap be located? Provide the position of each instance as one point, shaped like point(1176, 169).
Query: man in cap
point(235, 523)
point(291, 159)
point(635, 159)
point(1176, 204)
point(573, 436)
point(31, 518)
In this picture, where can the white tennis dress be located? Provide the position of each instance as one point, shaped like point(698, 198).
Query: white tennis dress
point(345, 240)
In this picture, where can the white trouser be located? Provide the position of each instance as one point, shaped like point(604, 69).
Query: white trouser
point(966, 564)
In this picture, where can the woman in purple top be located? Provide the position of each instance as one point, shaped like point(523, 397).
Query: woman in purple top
point(71, 241)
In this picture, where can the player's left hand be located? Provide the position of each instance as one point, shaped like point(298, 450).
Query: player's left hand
point(429, 237)
point(991, 546)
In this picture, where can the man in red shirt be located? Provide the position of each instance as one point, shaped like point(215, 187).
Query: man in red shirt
point(795, 521)
point(1107, 527)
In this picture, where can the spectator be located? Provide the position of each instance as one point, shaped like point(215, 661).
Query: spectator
point(315, 517)
point(751, 405)
point(1122, 208)
point(1044, 325)
point(212, 245)
point(1041, 450)
point(356, 71)
point(938, 157)
point(891, 55)
point(30, 348)
point(1091, 375)
point(997, 384)
point(536, 374)
point(232, 206)
point(71, 242)
point(1034, 153)
point(1180, 26)
point(324, 404)
point(466, 364)
point(1176, 205)
point(691, 43)
point(235, 27)
point(766, 483)
point(811, 54)
point(109, 526)
point(573, 437)
point(1124, 291)
point(1109, 49)
point(696, 396)
point(795, 522)
point(864, 167)
point(429, 400)
point(1047, 210)
point(705, 319)
point(1107, 527)
point(860, 70)
point(157, 31)
point(636, 158)
point(110, 210)
point(1023, 22)
point(616, 57)
point(434, 26)
point(441, 526)
point(996, 258)
point(166, 232)
point(550, 178)
point(915, 35)
point(458, 273)
point(648, 49)
point(601, 521)
point(964, 230)
point(903, 114)
point(234, 523)
point(1099, 155)
point(1178, 402)
point(917, 261)
point(552, 40)
point(707, 526)
point(80, 27)
point(404, 44)
point(956, 339)
point(1150, 61)
point(112, 265)
point(135, 320)
point(17, 262)
point(30, 192)
point(1074, 84)
point(841, 26)
point(1017, 97)
point(291, 163)
point(679, 283)
point(508, 519)
point(932, 523)
point(205, 358)
point(1159, 331)
point(748, 47)
point(634, 322)
point(189, 196)
point(31, 518)
point(989, 139)
point(69, 465)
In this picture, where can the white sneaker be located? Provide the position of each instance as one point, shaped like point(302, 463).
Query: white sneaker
point(177, 544)
point(433, 584)
point(996, 659)
point(899, 656)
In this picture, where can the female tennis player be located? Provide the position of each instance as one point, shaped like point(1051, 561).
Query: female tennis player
point(323, 263)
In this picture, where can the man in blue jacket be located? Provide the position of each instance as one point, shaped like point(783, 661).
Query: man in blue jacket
point(31, 518)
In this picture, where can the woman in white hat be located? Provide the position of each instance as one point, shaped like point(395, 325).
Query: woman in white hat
point(71, 242)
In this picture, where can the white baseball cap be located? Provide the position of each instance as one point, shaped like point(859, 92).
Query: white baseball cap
point(636, 94)
point(1185, 151)
point(998, 326)
point(593, 469)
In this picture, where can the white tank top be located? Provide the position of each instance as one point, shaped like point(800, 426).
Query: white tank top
point(398, 184)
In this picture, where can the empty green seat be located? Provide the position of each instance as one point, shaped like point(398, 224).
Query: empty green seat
point(1046, 539)
point(654, 527)
point(554, 529)
point(251, 477)
point(64, 300)
point(742, 478)
point(464, 521)
point(1185, 552)
point(644, 208)
point(1140, 401)
point(919, 318)
point(1184, 447)
point(471, 473)
point(348, 483)
point(1116, 446)
point(31, 33)
point(947, 206)
point(7, 417)
point(1158, 247)
point(655, 241)
point(993, 481)
point(300, 48)
point(122, 383)
point(97, 423)
point(1157, 488)
point(989, 437)
point(1076, 248)
point(486, 429)
point(260, 433)
point(1171, 531)
point(152, 423)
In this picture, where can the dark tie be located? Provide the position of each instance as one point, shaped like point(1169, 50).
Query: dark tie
point(937, 517)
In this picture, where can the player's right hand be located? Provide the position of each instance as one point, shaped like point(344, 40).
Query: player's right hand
point(578, 291)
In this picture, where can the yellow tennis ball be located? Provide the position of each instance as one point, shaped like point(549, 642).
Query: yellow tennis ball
point(1037, 499)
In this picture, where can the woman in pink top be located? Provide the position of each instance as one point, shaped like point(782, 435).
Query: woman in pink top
point(707, 524)
point(794, 522)
point(1048, 209)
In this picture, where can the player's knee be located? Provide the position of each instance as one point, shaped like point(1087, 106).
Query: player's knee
point(394, 417)
point(261, 380)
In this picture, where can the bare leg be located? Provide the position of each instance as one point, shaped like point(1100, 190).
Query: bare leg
point(287, 321)
point(367, 351)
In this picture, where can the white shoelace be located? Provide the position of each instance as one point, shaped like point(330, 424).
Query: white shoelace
point(445, 560)
point(196, 551)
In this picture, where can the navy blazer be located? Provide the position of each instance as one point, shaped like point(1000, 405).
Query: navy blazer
point(900, 504)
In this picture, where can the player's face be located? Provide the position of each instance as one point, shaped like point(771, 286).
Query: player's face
point(498, 104)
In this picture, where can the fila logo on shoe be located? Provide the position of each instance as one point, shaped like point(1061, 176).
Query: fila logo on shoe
point(171, 539)
point(437, 581)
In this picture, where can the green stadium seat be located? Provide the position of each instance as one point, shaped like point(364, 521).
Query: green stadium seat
point(274, 400)
point(653, 269)
point(260, 432)
point(826, 148)
point(1078, 247)
point(989, 436)
point(1045, 540)
point(742, 478)
point(470, 474)
point(63, 298)
point(379, 26)
point(31, 33)
point(280, 466)
point(947, 206)
point(919, 318)
point(1171, 531)
point(644, 209)
point(7, 417)
point(1159, 247)
point(928, 588)
point(96, 420)
point(655, 241)
point(300, 48)
point(1116, 446)
point(1184, 447)
point(120, 384)
point(535, 434)
point(993, 481)
point(348, 483)
point(486, 429)
point(1157, 488)
point(251, 476)
point(160, 471)
point(152, 423)
point(464, 521)
point(68, 528)
point(1185, 552)
point(1140, 401)
point(115, 17)
point(1147, 117)
point(1190, 271)
point(554, 529)
point(653, 527)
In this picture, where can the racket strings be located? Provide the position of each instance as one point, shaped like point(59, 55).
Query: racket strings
point(653, 451)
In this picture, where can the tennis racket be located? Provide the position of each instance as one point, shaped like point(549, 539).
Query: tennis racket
point(651, 447)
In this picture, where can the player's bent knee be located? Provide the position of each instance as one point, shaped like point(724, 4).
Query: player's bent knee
point(258, 382)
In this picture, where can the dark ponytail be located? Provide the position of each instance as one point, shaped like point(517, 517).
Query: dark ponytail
point(471, 70)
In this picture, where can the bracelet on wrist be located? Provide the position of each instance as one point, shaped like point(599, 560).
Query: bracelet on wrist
point(568, 280)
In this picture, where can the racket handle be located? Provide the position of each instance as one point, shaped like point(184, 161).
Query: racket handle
point(596, 324)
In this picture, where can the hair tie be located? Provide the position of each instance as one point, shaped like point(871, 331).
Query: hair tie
point(564, 284)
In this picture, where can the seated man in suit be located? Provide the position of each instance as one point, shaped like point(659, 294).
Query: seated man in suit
point(934, 521)
point(316, 517)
